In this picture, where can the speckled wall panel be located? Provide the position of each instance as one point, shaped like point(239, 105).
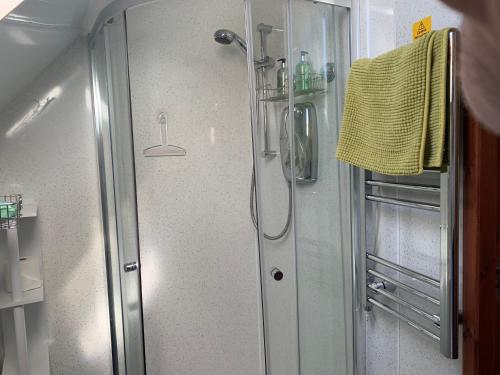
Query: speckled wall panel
point(198, 245)
point(53, 161)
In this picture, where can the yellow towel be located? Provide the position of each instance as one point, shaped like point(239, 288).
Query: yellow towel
point(395, 111)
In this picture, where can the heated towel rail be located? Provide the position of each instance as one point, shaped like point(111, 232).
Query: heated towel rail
point(392, 293)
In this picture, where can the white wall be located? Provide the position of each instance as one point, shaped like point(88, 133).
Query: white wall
point(198, 246)
point(402, 235)
point(52, 160)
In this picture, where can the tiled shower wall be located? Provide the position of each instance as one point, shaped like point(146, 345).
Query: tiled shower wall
point(403, 235)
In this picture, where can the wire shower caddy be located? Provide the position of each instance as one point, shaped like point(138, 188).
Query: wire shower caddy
point(10, 210)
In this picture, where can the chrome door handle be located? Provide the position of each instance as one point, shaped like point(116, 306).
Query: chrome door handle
point(129, 267)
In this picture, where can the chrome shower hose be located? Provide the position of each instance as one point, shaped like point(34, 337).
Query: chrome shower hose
point(252, 210)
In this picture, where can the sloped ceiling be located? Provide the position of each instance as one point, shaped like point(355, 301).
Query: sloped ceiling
point(32, 36)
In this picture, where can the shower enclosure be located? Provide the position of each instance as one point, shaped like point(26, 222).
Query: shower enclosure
point(222, 189)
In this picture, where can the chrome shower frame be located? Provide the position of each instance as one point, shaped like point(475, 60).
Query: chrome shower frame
point(111, 104)
point(261, 66)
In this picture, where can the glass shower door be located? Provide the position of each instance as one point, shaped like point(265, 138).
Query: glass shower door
point(307, 308)
point(267, 36)
point(320, 56)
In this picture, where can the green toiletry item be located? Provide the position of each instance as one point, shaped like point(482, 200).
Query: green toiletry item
point(282, 78)
point(303, 72)
point(7, 210)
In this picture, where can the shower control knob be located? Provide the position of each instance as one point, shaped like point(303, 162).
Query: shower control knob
point(277, 274)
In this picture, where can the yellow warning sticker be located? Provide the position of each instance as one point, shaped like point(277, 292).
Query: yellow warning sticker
point(422, 27)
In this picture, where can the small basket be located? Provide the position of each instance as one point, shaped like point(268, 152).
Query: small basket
point(313, 83)
point(10, 210)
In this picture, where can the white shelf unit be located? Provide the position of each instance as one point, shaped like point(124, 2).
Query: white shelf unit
point(23, 326)
point(29, 296)
point(28, 211)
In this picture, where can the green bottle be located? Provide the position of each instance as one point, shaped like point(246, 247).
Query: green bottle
point(303, 73)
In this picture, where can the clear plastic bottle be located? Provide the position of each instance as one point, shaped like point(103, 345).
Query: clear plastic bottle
point(303, 72)
point(282, 78)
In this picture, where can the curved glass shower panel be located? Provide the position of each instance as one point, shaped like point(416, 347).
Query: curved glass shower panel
point(267, 33)
point(182, 196)
point(299, 66)
point(320, 57)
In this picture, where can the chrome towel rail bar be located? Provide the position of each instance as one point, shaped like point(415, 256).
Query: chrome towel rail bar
point(404, 203)
point(403, 318)
point(426, 188)
point(406, 271)
point(404, 286)
point(451, 212)
point(432, 317)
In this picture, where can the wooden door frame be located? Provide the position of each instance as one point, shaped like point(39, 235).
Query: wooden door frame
point(481, 354)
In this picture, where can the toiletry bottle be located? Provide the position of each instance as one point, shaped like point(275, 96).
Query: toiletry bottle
point(282, 78)
point(303, 72)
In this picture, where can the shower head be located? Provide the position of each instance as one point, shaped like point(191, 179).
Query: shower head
point(224, 36)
